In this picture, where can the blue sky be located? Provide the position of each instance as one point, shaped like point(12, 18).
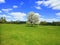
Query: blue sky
point(48, 10)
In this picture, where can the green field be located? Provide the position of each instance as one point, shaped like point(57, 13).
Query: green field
point(20, 34)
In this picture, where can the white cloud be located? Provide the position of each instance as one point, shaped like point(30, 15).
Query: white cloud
point(18, 15)
point(15, 6)
point(7, 16)
point(14, 16)
point(56, 8)
point(46, 3)
point(49, 19)
point(2, 1)
point(38, 7)
point(38, 2)
point(58, 14)
point(6, 10)
point(54, 4)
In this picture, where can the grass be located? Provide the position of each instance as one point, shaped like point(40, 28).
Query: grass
point(20, 34)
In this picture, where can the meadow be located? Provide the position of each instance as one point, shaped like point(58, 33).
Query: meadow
point(20, 34)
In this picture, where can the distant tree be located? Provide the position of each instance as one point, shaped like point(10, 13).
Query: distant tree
point(2, 20)
point(32, 19)
point(56, 23)
point(43, 23)
point(50, 23)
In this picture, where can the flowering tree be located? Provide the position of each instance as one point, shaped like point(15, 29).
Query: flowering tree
point(33, 18)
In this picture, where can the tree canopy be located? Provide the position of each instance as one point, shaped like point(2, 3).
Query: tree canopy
point(32, 18)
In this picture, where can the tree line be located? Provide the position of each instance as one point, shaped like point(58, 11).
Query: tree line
point(50, 23)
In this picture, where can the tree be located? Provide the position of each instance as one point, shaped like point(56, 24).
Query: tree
point(2, 20)
point(32, 19)
point(56, 23)
point(45, 23)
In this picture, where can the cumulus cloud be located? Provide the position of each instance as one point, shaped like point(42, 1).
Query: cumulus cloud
point(18, 15)
point(2, 1)
point(54, 4)
point(15, 6)
point(14, 16)
point(49, 19)
point(6, 10)
point(7, 16)
point(39, 2)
